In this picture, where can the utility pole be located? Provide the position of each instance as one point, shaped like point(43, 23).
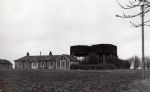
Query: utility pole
point(145, 8)
point(143, 50)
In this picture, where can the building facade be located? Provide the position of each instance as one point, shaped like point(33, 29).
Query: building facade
point(5, 64)
point(50, 61)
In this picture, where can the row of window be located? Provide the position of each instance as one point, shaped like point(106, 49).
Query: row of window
point(26, 64)
point(61, 64)
point(5, 66)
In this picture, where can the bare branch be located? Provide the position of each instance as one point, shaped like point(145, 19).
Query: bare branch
point(132, 16)
point(134, 4)
point(146, 11)
point(146, 6)
point(139, 25)
point(133, 1)
point(147, 25)
point(134, 25)
point(128, 16)
point(147, 21)
point(129, 6)
point(147, 2)
point(121, 5)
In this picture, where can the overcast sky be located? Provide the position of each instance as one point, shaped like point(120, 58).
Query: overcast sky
point(54, 25)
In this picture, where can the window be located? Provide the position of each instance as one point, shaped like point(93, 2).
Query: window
point(42, 63)
point(34, 64)
point(51, 63)
point(63, 64)
point(0, 65)
point(26, 64)
point(19, 64)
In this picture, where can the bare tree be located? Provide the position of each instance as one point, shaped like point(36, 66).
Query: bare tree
point(144, 6)
point(147, 61)
point(134, 62)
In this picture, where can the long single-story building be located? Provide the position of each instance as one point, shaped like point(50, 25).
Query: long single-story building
point(5, 64)
point(45, 62)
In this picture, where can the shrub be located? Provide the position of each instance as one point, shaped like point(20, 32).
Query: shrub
point(93, 59)
point(106, 66)
point(126, 64)
point(75, 66)
point(93, 67)
point(119, 63)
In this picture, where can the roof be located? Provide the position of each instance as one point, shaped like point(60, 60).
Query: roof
point(3, 61)
point(104, 45)
point(44, 57)
point(70, 57)
point(80, 46)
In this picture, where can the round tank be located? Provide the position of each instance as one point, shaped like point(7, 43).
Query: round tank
point(80, 50)
point(107, 49)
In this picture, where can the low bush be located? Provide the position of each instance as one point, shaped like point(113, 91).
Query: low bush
point(119, 63)
point(93, 67)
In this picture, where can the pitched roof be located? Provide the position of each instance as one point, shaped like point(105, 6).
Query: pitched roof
point(69, 56)
point(3, 61)
point(43, 57)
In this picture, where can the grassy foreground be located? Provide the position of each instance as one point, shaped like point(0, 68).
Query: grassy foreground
point(73, 81)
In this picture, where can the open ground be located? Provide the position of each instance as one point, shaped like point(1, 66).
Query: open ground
point(70, 80)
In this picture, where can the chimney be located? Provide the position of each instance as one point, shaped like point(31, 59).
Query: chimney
point(50, 53)
point(28, 54)
point(40, 53)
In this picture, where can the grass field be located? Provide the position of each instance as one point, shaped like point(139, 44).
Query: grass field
point(70, 81)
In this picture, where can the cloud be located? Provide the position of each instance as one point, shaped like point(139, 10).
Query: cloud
point(44, 25)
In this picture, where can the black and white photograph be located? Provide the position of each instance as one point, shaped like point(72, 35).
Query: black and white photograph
point(74, 46)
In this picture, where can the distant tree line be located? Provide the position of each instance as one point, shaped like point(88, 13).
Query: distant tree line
point(136, 62)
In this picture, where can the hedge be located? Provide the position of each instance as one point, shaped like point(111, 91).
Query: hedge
point(93, 67)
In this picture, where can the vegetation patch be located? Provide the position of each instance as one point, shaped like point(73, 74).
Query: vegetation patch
point(139, 86)
point(68, 81)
